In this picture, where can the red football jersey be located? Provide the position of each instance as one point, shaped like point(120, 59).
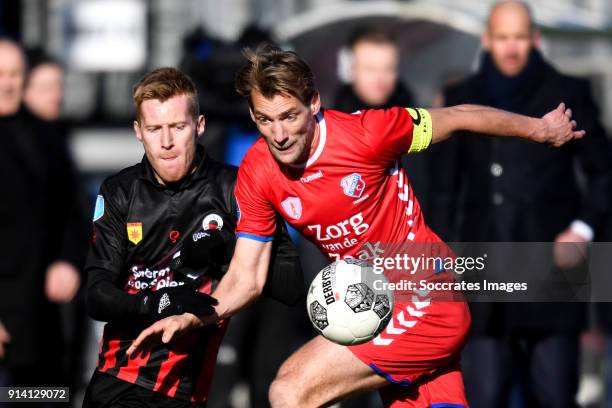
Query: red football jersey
point(350, 196)
point(351, 190)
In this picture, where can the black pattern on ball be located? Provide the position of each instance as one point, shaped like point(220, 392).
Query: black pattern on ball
point(383, 323)
point(359, 297)
point(381, 306)
point(319, 315)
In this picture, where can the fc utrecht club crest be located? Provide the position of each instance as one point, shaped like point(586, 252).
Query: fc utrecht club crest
point(293, 207)
point(134, 232)
point(353, 185)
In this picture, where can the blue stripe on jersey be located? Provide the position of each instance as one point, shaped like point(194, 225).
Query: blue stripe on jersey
point(403, 383)
point(446, 405)
point(254, 237)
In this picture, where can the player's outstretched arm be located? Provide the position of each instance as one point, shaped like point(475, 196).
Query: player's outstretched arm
point(241, 285)
point(555, 128)
point(245, 278)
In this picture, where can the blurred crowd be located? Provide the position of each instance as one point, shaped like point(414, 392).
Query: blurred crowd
point(475, 189)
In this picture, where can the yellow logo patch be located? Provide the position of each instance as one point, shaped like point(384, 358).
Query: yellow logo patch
point(134, 232)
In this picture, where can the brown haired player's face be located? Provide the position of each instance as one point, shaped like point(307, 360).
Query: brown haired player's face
point(287, 125)
point(168, 132)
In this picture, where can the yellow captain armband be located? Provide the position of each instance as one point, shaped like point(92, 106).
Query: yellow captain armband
point(422, 130)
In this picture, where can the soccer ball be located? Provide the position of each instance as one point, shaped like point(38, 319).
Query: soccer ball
point(344, 306)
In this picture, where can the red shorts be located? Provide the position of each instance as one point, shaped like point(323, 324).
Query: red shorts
point(419, 354)
point(442, 389)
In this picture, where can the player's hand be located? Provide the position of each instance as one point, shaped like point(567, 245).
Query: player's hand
point(5, 338)
point(62, 282)
point(177, 300)
point(166, 330)
point(558, 128)
point(570, 250)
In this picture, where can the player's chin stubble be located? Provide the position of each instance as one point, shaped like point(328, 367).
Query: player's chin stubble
point(298, 156)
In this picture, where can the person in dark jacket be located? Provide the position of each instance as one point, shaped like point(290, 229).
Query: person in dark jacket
point(163, 234)
point(37, 200)
point(375, 82)
point(43, 96)
point(489, 189)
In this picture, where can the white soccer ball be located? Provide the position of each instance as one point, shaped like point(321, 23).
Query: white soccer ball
point(343, 304)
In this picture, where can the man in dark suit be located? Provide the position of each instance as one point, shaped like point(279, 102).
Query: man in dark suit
point(490, 189)
point(37, 243)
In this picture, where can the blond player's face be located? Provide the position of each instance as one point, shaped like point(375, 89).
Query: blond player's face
point(287, 125)
point(168, 132)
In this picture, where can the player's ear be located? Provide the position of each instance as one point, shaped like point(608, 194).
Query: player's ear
point(315, 103)
point(200, 125)
point(137, 130)
point(251, 113)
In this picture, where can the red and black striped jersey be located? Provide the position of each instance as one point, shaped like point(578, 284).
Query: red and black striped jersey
point(182, 370)
point(139, 226)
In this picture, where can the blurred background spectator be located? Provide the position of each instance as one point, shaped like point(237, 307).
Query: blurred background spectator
point(43, 96)
point(375, 82)
point(104, 46)
point(490, 190)
point(43, 236)
point(44, 89)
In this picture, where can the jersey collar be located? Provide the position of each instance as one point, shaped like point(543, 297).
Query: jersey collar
point(319, 117)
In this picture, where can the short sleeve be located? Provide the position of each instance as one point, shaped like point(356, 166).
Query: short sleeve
point(256, 216)
point(397, 131)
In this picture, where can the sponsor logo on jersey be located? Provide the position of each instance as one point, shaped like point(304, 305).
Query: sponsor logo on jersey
point(134, 232)
point(312, 177)
point(174, 235)
point(199, 235)
point(353, 225)
point(353, 185)
point(142, 278)
point(293, 207)
point(212, 222)
point(99, 210)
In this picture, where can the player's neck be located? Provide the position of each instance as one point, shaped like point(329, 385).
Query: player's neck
point(311, 149)
point(315, 139)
